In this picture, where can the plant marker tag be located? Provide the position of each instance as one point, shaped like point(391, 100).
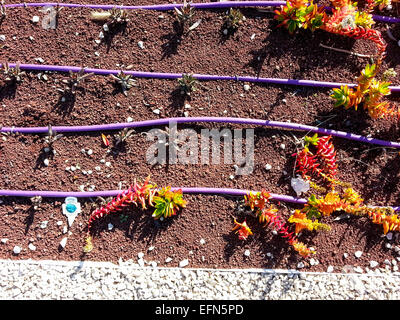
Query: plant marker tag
point(71, 208)
point(299, 185)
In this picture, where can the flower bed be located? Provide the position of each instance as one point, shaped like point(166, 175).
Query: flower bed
point(204, 228)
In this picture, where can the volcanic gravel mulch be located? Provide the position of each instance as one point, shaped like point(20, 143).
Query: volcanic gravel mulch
point(258, 48)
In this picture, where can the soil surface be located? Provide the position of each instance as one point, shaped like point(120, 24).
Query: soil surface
point(257, 48)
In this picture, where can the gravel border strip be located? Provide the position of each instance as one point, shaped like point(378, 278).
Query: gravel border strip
point(89, 280)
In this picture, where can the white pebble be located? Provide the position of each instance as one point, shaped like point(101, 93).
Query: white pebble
point(89, 152)
point(184, 263)
point(358, 254)
point(140, 44)
point(108, 164)
point(63, 242)
point(388, 245)
point(110, 226)
point(373, 264)
point(17, 250)
point(59, 223)
point(246, 87)
point(329, 269)
point(282, 146)
point(35, 19)
point(300, 265)
point(151, 248)
point(156, 111)
point(345, 255)
point(247, 253)
point(202, 241)
point(129, 119)
point(4, 240)
point(98, 168)
point(46, 162)
point(268, 167)
point(168, 260)
point(32, 247)
point(2, 37)
point(105, 27)
point(140, 255)
point(43, 225)
point(225, 32)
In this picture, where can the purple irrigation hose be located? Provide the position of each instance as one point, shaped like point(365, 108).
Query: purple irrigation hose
point(167, 121)
point(165, 7)
point(201, 77)
point(187, 190)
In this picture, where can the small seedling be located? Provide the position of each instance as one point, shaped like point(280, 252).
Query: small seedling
point(50, 138)
point(185, 14)
point(187, 84)
point(2, 11)
point(112, 18)
point(36, 202)
point(75, 78)
point(233, 19)
point(125, 81)
point(123, 135)
point(12, 75)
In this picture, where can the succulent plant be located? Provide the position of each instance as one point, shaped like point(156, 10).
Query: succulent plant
point(72, 83)
point(12, 75)
point(188, 84)
point(125, 81)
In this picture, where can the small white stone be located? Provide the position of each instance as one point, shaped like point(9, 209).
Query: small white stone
point(231, 177)
point(388, 245)
point(358, 269)
point(98, 168)
point(358, 254)
point(2, 37)
point(156, 111)
point(247, 253)
point(101, 35)
point(4, 240)
point(151, 248)
point(153, 264)
point(110, 226)
point(90, 152)
point(313, 262)
point(59, 223)
point(105, 27)
point(188, 106)
point(186, 113)
point(329, 269)
point(168, 260)
point(183, 263)
point(300, 265)
point(63, 242)
point(246, 87)
point(345, 255)
point(373, 264)
point(140, 255)
point(202, 241)
point(82, 187)
point(97, 41)
point(32, 247)
point(282, 146)
point(102, 161)
point(108, 164)
point(268, 167)
point(97, 54)
point(17, 250)
point(129, 119)
point(140, 44)
point(89, 172)
point(35, 19)
point(43, 225)
point(253, 36)
point(73, 168)
point(46, 162)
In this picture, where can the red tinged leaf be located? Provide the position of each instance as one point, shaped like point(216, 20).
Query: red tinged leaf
point(105, 140)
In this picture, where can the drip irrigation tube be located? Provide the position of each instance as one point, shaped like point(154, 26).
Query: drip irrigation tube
point(201, 77)
point(185, 190)
point(165, 7)
point(167, 121)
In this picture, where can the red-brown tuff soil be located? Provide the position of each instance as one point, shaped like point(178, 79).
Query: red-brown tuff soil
point(258, 48)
